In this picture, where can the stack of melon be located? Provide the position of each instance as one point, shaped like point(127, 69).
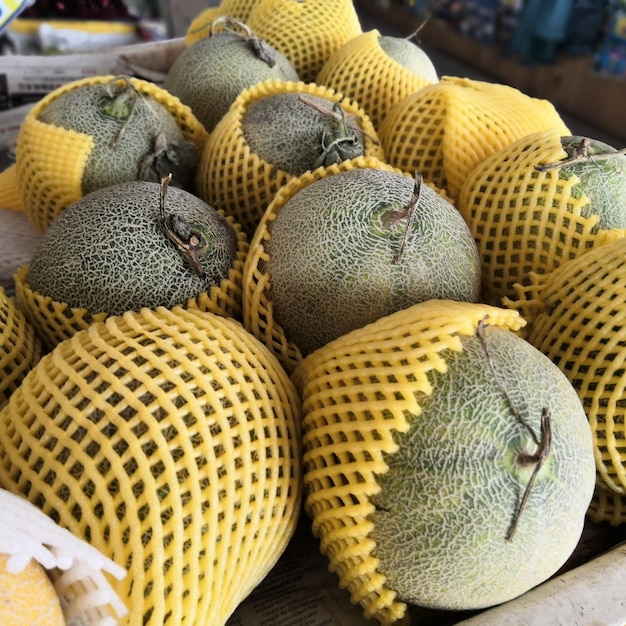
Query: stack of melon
point(307, 274)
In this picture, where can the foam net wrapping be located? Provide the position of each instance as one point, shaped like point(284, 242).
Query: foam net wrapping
point(363, 71)
point(607, 506)
point(307, 32)
point(56, 321)
point(50, 160)
point(20, 347)
point(170, 441)
point(357, 391)
point(258, 308)
point(524, 220)
point(445, 129)
point(232, 178)
point(577, 317)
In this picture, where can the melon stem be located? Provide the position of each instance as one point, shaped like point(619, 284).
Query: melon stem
point(580, 155)
point(258, 45)
point(190, 242)
point(543, 442)
point(408, 212)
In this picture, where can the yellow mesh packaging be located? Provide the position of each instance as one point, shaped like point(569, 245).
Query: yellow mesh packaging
point(607, 506)
point(307, 32)
point(170, 441)
point(447, 128)
point(232, 178)
point(357, 391)
point(577, 317)
point(362, 71)
point(258, 310)
point(56, 321)
point(50, 160)
point(524, 220)
point(20, 347)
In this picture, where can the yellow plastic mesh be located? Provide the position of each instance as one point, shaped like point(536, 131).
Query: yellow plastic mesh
point(307, 32)
point(9, 190)
point(232, 178)
point(239, 9)
point(200, 25)
point(358, 391)
point(523, 220)
point(607, 506)
point(258, 309)
point(362, 71)
point(50, 160)
point(577, 317)
point(20, 348)
point(445, 129)
point(56, 321)
point(170, 441)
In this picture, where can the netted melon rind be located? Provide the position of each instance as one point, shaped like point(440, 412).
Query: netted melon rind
point(170, 441)
point(577, 317)
point(306, 32)
point(357, 391)
point(50, 160)
point(56, 321)
point(445, 129)
point(20, 348)
point(258, 309)
point(524, 220)
point(362, 71)
point(607, 506)
point(201, 24)
point(231, 177)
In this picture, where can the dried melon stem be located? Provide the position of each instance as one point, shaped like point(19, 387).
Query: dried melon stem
point(543, 441)
point(188, 240)
point(582, 153)
point(259, 46)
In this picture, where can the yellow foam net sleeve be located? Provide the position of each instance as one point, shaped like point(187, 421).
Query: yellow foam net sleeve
point(524, 220)
point(20, 347)
point(56, 321)
point(607, 506)
point(447, 128)
point(10, 197)
point(307, 32)
point(50, 160)
point(577, 317)
point(232, 178)
point(170, 441)
point(258, 308)
point(362, 71)
point(357, 391)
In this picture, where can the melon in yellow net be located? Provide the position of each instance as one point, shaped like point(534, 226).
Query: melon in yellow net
point(447, 128)
point(577, 317)
point(528, 220)
point(307, 32)
point(363, 71)
point(365, 393)
point(170, 441)
point(232, 177)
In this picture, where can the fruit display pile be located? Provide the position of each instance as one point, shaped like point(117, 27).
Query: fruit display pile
point(306, 278)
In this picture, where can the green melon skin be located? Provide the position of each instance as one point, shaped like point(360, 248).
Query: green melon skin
point(296, 137)
point(109, 252)
point(210, 74)
point(409, 55)
point(332, 255)
point(145, 144)
point(455, 484)
point(603, 181)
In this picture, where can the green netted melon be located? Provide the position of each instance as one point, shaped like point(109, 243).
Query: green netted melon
point(135, 137)
point(409, 55)
point(210, 74)
point(300, 132)
point(354, 246)
point(452, 526)
point(132, 245)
